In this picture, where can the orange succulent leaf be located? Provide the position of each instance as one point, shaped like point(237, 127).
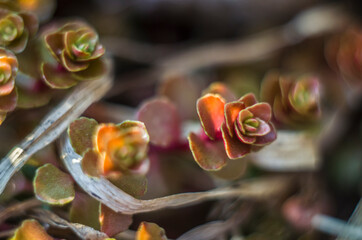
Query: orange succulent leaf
point(222, 90)
point(112, 222)
point(209, 155)
point(210, 109)
point(31, 230)
point(150, 231)
point(233, 146)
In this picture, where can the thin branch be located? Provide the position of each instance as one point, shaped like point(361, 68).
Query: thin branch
point(113, 197)
point(82, 231)
point(18, 208)
point(52, 126)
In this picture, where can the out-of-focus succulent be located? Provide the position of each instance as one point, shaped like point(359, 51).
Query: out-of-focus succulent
point(75, 47)
point(344, 53)
point(243, 125)
point(16, 29)
point(8, 92)
point(295, 100)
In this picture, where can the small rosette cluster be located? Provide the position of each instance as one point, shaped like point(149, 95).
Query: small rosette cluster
point(75, 47)
point(243, 125)
point(8, 92)
point(121, 147)
point(16, 28)
point(295, 100)
point(110, 149)
point(344, 54)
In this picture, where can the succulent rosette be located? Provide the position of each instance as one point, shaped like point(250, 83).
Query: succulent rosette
point(8, 92)
point(295, 100)
point(16, 29)
point(121, 146)
point(78, 54)
point(110, 148)
point(344, 53)
point(243, 125)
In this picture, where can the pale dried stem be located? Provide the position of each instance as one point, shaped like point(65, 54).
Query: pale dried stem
point(82, 231)
point(52, 126)
point(113, 197)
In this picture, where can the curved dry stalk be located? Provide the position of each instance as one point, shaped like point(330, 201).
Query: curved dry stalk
point(113, 197)
point(53, 125)
point(18, 208)
point(309, 23)
point(82, 231)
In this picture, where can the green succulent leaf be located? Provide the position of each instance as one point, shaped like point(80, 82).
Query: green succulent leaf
point(53, 186)
point(81, 133)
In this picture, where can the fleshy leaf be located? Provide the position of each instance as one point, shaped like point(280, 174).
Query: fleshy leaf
point(150, 231)
point(96, 69)
point(233, 146)
point(31, 22)
point(112, 222)
point(268, 138)
point(248, 99)
point(262, 111)
point(135, 185)
point(31, 230)
point(210, 109)
point(81, 133)
point(232, 110)
point(53, 186)
point(8, 102)
point(209, 156)
point(85, 210)
point(71, 65)
point(90, 164)
point(19, 44)
point(55, 78)
point(270, 87)
point(222, 90)
point(162, 121)
point(54, 42)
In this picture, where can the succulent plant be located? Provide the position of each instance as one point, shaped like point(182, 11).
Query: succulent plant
point(243, 125)
point(295, 100)
point(8, 92)
point(110, 148)
point(75, 47)
point(344, 53)
point(121, 146)
point(16, 29)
